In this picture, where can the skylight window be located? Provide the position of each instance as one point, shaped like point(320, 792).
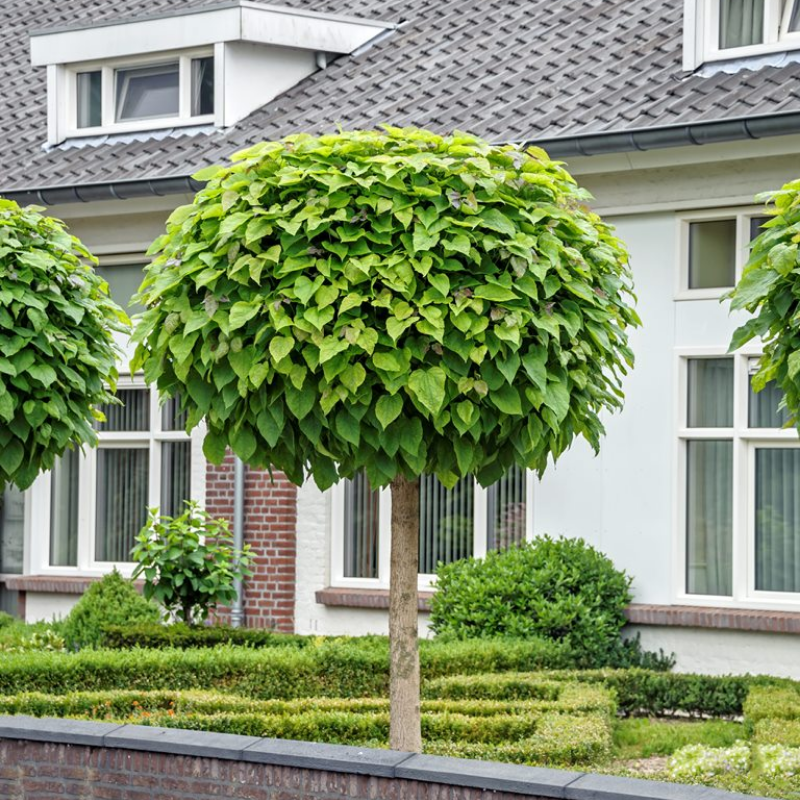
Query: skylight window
point(157, 93)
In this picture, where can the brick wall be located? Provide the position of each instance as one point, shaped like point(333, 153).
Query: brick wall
point(270, 509)
point(44, 759)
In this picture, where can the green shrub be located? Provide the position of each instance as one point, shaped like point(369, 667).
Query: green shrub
point(112, 600)
point(179, 635)
point(6, 619)
point(558, 589)
point(189, 563)
point(335, 668)
point(778, 731)
point(772, 702)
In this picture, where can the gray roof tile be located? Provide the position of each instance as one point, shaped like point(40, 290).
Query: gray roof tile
point(509, 70)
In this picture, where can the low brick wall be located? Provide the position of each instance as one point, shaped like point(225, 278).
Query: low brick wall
point(44, 759)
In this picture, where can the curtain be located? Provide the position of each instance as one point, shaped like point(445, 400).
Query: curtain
point(361, 516)
point(172, 418)
point(202, 86)
point(132, 415)
point(176, 477)
point(505, 510)
point(88, 88)
point(122, 493)
point(709, 517)
point(64, 511)
point(710, 393)
point(12, 525)
point(741, 22)
point(446, 524)
point(762, 407)
point(777, 519)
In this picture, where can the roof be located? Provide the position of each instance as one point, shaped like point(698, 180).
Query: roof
point(508, 70)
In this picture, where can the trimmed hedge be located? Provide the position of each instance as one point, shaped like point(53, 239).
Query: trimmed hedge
point(638, 692)
point(157, 636)
point(339, 668)
point(772, 702)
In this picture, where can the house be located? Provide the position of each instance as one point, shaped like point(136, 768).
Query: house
point(674, 114)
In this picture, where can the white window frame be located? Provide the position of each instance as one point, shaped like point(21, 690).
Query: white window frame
point(69, 108)
point(426, 582)
point(152, 439)
point(745, 441)
point(684, 220)
point(701, 33)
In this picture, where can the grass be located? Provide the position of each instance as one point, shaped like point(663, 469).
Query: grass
point(639, 738)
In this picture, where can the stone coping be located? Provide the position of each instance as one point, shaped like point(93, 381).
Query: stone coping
point(485, 775)
point(54, 584)
point(636, 613)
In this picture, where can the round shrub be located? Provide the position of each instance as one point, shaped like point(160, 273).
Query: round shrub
point(111, 601)
point(560, 589)
point(57, 354)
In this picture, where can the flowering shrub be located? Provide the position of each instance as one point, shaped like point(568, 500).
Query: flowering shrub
point(775, 760)
point(698, 762)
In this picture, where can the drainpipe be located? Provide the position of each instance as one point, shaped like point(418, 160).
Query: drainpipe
point(237, 612)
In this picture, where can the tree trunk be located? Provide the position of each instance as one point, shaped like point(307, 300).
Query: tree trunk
point(404, 705)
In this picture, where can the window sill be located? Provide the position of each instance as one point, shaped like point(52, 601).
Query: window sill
point(365, 598)
point(52, 584)
point(636, 613)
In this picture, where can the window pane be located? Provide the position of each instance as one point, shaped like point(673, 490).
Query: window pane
point(147, 92)
point(777, 521)
point(710, 393)
point(123, 283)
point(132, 415)
point(64, 511)
point(172, 418)
point(12, 527)
point(709, 514)
point(361, 516)
point(446, 522)
point(741, 22)
point(755, 226)
point(505, 502)
point(794, 20)
point(202, 86)
point(88, 86)
point(712, 254)
point(762, 407)
point(176, 476)
point(122, 492)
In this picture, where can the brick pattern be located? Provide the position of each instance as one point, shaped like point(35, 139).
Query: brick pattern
point(720, 618)
point(44, 771)
point(270, 529)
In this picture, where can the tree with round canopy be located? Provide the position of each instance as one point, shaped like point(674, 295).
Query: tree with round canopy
point(57, 353)
point(393, 302)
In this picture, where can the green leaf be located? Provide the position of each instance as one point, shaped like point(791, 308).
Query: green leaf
point(388, 408)
point(423, 240)
point(268, 428)
point(280, 347)
point(441, 283)
point(388, 361)
point(506, 399)
point(753, 286)
point(428, 387)
point(214, 447)
point(498, 294)
point(557, 398)
point(300, 401)
point(43, 373)
point(497, 221)
point(243, 443)
point(243, 312)
point(794, 364)
point(348, 427)
point(11, 456)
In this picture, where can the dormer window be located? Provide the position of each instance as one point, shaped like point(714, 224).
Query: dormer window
point(206, 65)
point(725, 30)
point(123, 96)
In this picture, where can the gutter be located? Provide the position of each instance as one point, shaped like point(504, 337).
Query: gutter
point(592, 144)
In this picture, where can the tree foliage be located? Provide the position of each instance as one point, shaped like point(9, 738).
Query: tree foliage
point(57, 356)
point(393, 301)
point(770, 289)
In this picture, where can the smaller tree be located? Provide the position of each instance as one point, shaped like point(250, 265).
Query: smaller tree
point(189, 563)
point(57, 353)
point(770, 289)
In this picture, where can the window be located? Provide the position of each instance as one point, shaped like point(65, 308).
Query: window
point(99, 501)
point(713, 251)
point(726, 29)
point(135, 96)
point(454, 523)
point(741, 485)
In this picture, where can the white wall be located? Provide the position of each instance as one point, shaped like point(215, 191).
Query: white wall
point(48, 606)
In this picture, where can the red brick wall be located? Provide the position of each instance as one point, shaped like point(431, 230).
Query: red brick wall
point(270, 523)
